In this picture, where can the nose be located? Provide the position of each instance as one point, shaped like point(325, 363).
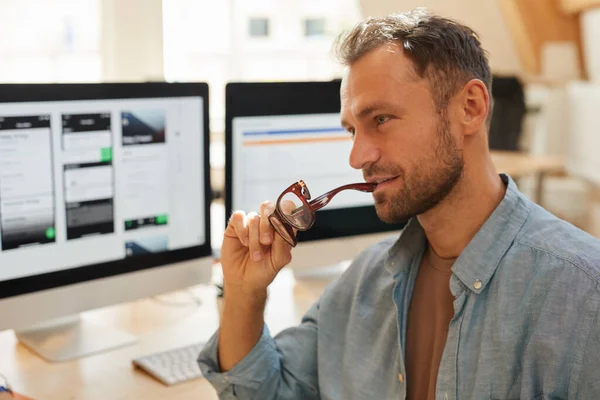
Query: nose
point(364, 152)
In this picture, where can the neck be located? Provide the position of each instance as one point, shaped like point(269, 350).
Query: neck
point(452, 224)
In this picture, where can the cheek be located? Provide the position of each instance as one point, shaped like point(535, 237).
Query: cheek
point(402, 154)
point(410, 140)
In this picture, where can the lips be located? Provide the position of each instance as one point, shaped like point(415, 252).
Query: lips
point(384, 180)
point(380, 180)
point(383, 183)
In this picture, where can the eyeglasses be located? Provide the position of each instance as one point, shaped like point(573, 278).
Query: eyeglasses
point(295, 210)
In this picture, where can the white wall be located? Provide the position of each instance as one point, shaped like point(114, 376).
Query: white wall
point(483, 16)
point(132, 40)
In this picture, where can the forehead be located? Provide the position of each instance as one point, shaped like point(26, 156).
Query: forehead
point(383, 74)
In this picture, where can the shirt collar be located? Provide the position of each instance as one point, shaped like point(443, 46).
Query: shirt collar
point(478, 261)
point(410, 243)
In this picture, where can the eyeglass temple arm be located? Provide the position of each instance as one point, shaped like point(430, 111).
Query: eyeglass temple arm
point(324, 199)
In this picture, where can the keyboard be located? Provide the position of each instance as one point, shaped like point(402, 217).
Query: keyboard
point(172, 366)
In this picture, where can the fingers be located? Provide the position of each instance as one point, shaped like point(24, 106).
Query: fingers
point(266, 230)
point(282, 252)
point(254, 236)
point(283, 248)
point(238, 226)
point(255, 231)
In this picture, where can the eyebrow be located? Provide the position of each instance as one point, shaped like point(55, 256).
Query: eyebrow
point(365, 112)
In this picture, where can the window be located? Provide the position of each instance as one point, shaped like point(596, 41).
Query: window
point(258, 28)
point(260, 40)
point(50, 41)
point(314, 27)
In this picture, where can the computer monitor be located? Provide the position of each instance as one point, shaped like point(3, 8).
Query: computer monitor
point(104, 198)
point(278, 133)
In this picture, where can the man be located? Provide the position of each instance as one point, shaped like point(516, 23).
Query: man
point(484, 295)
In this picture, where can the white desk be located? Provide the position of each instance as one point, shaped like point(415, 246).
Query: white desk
point(159, 327)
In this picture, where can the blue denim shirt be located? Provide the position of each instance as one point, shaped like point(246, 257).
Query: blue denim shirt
point(526, 323)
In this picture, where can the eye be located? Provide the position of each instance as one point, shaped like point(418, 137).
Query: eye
point(351, 131)
point(382, 119)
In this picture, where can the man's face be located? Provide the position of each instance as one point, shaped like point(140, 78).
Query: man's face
point(398, 135)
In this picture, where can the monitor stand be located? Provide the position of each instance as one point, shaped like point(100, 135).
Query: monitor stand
point(71, 337)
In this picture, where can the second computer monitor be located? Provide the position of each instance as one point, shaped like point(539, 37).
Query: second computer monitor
point(279, 133)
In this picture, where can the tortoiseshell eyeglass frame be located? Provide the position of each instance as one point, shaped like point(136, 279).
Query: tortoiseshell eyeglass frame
point(285, 226)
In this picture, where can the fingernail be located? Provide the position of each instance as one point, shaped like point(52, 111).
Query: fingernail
point(256, 256)
point(265, 238)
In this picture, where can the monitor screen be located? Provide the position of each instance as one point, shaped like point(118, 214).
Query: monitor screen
point(100, 179)
point(278, 133)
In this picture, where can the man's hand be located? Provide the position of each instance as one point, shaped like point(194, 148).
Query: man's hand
point(251, 256)
point(252, 253)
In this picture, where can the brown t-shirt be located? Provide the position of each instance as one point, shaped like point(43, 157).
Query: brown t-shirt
point(429, 315)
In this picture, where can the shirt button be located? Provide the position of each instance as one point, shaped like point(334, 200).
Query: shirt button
point(401, 378)
point(477, 284)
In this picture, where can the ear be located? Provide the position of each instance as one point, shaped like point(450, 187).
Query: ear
point(474, 106)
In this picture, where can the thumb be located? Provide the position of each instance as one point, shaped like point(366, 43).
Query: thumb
point(281, 252)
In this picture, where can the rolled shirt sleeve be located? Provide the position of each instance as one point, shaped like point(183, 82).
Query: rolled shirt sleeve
point(283, 367)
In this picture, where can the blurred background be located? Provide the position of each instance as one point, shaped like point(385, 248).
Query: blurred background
point(545, 57)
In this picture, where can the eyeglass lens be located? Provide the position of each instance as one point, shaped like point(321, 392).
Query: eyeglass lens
point(295, 211)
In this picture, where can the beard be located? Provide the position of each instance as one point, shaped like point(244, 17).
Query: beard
point(430, 180)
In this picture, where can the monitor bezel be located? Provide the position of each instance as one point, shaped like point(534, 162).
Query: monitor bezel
point(14, 93)
point(248, 99)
